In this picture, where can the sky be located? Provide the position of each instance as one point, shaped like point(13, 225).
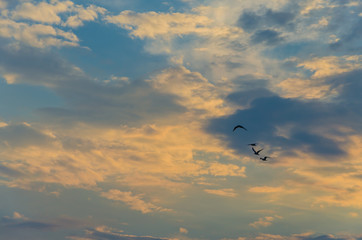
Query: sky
point(117, 117)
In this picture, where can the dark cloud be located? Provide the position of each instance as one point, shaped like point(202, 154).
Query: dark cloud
point(278, 18)
point(23, 223)
point(267, 36)
point(267, 114)
point(251, 21)
point(9, 172)
point(323, 237)
point(33, 225)
point(245, 98)
point(292, 124)
point(350, 39)
point(115, 235)
point(22, 135)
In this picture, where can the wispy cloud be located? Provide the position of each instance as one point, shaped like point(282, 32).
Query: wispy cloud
point(134, 201)
point(107, 233)
point(153, 24)
point(225, 192)
point(264, 221)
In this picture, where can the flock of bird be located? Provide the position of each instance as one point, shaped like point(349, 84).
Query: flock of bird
point(256, 152)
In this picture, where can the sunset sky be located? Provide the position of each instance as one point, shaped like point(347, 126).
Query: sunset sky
point(117, 117)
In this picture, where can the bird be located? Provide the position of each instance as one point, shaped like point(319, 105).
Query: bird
point(256, 152)
point(253, 144)
point(239, 126)
point(264, 158)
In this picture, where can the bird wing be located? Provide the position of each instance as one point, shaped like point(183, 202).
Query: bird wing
point(259, 150)
point(239, 126)
point(253, 149)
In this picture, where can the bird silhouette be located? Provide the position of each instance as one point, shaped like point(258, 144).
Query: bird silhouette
point(253, 144)
point(239, 126)
point(264, 158)
point(256, 152)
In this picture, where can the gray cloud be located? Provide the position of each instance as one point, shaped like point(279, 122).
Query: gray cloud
point(301, 121)
point(86, 100)
point(9, 172)
point(22, 135)
point(24, 223)
point(268, 36)
point(116, 235)
point(251, 21)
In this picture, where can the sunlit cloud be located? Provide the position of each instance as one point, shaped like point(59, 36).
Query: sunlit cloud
point(36, 35)
point(134, 201)
point(306, 89)
point(264, 221)
point(266, 189)
point(39, 25)
point(332, 65)
point(153, 24)
point(160, 142)
point(183, 230)
point(107, 233)
point(43, 12)
point(226, 192)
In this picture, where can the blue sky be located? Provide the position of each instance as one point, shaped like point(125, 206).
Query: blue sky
point(116, 119)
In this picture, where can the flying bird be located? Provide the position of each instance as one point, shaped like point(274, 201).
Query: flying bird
point(253, 144)
point(256, 152)
point(264, 158)
point(239, 126)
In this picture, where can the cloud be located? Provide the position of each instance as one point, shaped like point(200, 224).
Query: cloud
point(306, 89)
point(263, 222)
point(251, 21)
point(268, 36)
point(303, 236)
point(226, 192)
point(19, 221)
point(183, 230)
point(50, 13)
point(3, 4)
point(43, 12)
point(332, 65)
point(218, 169)
point(267, 114)
point(106, 233)
point(9, 171)
point(152, 24)
point(83, 14)
point(134, 201)
point(193, 90)
point(40, 25)
point(22, 135)
point(36, 35)
point(266, 189)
